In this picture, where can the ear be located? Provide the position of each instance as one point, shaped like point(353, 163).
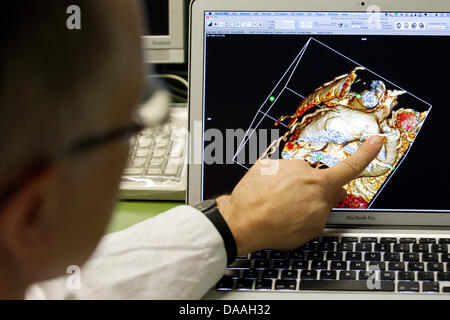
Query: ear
point(23, 213)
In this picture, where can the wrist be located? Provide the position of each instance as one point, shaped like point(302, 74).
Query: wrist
point(237, 225)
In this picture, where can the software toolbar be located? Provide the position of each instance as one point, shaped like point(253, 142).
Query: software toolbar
point(328, 22)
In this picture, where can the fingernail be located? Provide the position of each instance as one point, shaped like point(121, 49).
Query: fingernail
point(375, 140)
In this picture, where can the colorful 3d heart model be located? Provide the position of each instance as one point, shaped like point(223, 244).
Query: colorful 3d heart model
point(331, 123)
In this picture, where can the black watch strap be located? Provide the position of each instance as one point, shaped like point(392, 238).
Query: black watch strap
point(211, 211)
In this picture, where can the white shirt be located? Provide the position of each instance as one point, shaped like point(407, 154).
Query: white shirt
point(176, 255)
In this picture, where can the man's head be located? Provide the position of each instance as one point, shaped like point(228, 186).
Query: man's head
point(59, 87)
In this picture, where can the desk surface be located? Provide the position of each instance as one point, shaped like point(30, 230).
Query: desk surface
point(128, 213)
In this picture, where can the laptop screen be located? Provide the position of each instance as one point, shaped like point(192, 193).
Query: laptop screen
point(315, 85)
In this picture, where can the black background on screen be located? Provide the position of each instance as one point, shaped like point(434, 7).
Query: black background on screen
point(158, 17)
point(243, 69)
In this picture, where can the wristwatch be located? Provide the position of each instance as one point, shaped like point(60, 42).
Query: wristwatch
point(211, 211)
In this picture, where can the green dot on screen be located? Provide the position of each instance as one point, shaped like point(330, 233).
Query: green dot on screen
point(318, 158)
point(358, 96)
point(272, 99)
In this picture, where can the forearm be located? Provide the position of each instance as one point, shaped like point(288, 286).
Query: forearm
point(177, 255)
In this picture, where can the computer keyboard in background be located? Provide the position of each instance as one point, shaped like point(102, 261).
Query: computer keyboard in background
point(156, 168)
point(345, 264)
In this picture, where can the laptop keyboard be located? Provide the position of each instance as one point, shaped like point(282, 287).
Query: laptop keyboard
point(384, 264)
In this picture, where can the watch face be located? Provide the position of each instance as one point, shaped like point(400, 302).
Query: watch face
point(205, 205)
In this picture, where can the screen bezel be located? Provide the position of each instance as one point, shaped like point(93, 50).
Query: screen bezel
point(168, 48)
point(196, 77)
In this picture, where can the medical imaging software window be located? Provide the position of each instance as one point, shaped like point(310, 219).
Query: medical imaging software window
point(324, 95)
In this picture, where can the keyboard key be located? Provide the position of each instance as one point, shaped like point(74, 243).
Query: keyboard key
point(144, 152)
point(364, 275)
point(173, 166)
point(430, 257)
point(444, 241)
point(357, 265)
point(328, 275)
point(445, 257)
point(270, 274)
point(133, 171)
point(330, 239)
point(264, 284)
point(244, 284)
point(369, 239)
point(233, 273)
point(401, 247)
point(420, 248)
point(289, 285)
point(439, 248)
point(347, 275)
point(159, 153)
point(308, 247)
point(425, 276)
point(240, 264)
point(387, 275)
point(348, 285)
point(353, 256)
point(446, 289)
point(407, 240)
point(280, 264)
point(400, 266)
point(430, 286)
point(349, 239)
point(443, 276)
point(326, 246)
point(154, 171)
point(388, 240)
point(427, 240)
point(408, 286)
point(319, 265)
point(299, 264)
point(145, 142)
point(435, 266)
point(282, 255)
point(383, 247)
point(261, 264)
point(414, 256)
point(250, 274)
point(156, 162)
point(377, 265)
point(177, 149)
point(297, 255)
point(406, 275)
point(372, 256)
point(338, 265)
point(258, 255)
point(308, 274)
point(289, 274)
point(315, 256)
point(334, 256)
point(225, 284)
point(416, 266)
point(363, 247)
point(344, 246)
point(392, 256)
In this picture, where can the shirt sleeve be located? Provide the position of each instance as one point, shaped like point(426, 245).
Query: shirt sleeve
point(176, 255)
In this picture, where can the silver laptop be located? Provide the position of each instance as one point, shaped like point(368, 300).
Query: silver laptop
point(260, 70)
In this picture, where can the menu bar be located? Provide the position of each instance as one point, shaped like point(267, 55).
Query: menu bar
point(399, 23)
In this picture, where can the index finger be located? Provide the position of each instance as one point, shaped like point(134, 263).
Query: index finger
point(349, 169)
